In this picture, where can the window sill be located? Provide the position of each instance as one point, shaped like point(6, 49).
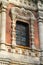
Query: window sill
point(23, 47)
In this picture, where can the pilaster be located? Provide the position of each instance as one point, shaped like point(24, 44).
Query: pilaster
point(41, 40)
point(4, 59)
point(40, 23)
point(3, 23)
point(3, 20)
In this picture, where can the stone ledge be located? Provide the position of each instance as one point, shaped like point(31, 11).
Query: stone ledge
point(10, 57)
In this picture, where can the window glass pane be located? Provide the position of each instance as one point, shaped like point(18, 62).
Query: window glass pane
point(21, 33)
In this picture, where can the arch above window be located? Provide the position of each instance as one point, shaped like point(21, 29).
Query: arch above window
point(22, 14)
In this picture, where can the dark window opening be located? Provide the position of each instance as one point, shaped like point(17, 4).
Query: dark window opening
point(22, 33)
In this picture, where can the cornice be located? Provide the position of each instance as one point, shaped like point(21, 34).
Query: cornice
point(21, 3)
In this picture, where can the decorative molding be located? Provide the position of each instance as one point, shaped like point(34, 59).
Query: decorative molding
point(40, 5)
point(24, 3)
point(40, 15)
point(22, 13)
point(4, 3)
point(21, 3)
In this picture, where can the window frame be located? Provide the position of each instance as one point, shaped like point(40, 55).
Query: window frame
point(28, 43)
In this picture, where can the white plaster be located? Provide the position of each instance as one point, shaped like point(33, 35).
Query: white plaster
point(3, 30)
point(41, 40)
point(13, 32)
point(0, 26)
point(3, 46)
point(32, 34)
point(23, 58)
point(13, 43)
point(41, 34)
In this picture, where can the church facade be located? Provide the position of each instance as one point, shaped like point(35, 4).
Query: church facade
point(21, 32)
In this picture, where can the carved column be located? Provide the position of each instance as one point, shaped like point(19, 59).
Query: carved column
point(41, 34)
point(40, 23)
point(41, 40)
point(3, 33)
point(32, 34)
point(3, 24)
point(13, 27)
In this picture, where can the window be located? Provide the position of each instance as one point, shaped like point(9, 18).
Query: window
point(22, 36)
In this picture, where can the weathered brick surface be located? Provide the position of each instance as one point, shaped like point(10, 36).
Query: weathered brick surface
point(36, 34)
point(8, 25)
